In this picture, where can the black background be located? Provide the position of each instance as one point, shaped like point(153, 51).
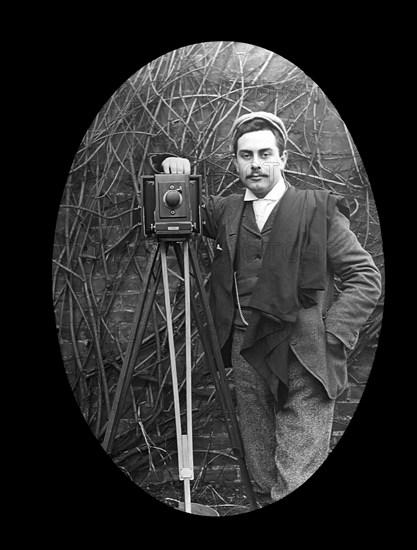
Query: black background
point(74, 486)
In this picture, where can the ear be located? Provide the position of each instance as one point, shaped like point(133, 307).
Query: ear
point(235, 161)
point(284, 158)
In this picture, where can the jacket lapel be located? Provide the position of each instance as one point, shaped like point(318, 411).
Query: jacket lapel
point(233, 219)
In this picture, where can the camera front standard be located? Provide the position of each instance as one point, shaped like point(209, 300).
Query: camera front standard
point(171, 205)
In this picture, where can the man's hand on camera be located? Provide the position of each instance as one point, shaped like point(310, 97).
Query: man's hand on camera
point(176, 165)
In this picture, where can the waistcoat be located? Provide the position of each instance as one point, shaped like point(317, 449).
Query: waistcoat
point(248, 260)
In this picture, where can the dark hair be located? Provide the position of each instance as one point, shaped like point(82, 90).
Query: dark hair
point(255, 125)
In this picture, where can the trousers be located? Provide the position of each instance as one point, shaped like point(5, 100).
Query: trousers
point(283, 448)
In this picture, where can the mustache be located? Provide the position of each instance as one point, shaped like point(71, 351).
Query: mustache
point(256, 174)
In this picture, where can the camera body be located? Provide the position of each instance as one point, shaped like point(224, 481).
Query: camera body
point(171, 205)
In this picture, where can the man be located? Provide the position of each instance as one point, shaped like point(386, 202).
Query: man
point(277, 250)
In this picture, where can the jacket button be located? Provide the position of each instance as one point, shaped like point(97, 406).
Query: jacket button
point(293, 342)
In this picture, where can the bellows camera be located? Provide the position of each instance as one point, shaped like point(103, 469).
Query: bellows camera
point(171, 205)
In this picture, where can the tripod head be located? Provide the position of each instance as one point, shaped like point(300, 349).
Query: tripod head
point(171, 206)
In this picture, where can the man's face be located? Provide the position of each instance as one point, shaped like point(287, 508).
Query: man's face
point(258, 161)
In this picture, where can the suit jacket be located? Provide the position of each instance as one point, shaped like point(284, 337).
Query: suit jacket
point(360, 284)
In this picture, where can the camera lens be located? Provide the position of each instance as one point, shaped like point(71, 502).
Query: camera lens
point(172, 198)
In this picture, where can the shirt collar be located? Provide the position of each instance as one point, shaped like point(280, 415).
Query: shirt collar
point(274, 195)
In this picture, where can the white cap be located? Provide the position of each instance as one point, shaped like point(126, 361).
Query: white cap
point(272, 119)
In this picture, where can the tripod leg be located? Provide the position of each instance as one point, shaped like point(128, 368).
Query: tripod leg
point(223, 396)
point(189, 404)
point(184, 442)
point(215, 363)
point(172, 356)
point(187, 478)
point(138, 329)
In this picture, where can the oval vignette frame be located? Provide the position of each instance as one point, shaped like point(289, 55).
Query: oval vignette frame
point(109, 183)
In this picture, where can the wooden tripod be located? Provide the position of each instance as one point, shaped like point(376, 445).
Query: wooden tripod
point(157, 263)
